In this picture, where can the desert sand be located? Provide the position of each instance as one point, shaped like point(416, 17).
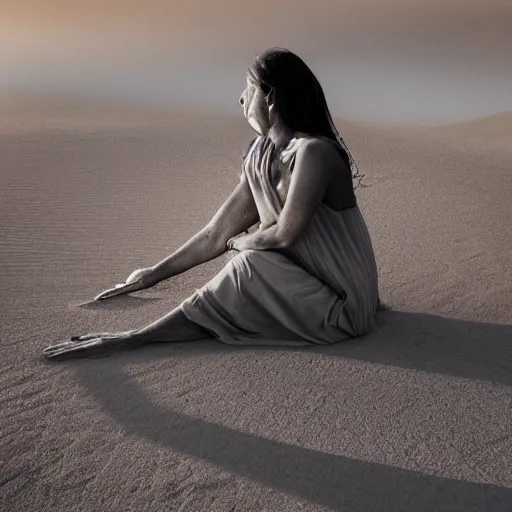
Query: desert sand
point(415, 416)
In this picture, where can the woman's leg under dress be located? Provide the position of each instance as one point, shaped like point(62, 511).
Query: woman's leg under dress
point(173, 327)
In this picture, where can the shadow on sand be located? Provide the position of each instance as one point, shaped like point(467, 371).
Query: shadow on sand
point(407, 340)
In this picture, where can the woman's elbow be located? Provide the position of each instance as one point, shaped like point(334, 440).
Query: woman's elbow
point(286, 239)
point(289, 232)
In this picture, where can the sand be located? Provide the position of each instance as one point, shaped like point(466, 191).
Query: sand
point(414, 416)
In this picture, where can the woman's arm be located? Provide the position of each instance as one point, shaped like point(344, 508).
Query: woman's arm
point(236, 215)
point(315, 164)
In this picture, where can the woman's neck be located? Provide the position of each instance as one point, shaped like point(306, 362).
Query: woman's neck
point(280, 135)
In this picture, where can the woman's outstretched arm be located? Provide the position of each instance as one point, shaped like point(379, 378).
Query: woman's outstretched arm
point(236, 215)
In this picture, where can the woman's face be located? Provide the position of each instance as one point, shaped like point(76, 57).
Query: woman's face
point(255, 107)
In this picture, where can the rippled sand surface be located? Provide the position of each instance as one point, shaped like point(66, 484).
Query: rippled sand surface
point(414, 416)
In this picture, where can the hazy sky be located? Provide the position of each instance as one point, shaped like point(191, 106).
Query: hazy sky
point(415, 60)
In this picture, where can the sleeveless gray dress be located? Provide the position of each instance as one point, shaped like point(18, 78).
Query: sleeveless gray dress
point(321, 290)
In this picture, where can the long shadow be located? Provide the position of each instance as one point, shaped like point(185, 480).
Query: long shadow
point(435, 344)
point(422, 342)
point(417, 341)
point(336, 482)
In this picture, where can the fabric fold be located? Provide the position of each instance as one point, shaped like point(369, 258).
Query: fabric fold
point(321, 290)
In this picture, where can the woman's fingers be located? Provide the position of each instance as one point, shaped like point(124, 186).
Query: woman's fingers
point(111, 292)
point(71, 347)
point(103, 295)
point(86, 342)
point(119, 289)
point(104, 335)
point(91, 335)
point(53, 348)
point(137, 280)
point(57, 348)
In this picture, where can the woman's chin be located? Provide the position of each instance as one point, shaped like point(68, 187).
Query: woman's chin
point(255, 125)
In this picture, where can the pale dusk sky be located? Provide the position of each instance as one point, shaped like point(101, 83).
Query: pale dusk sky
point(398, 61)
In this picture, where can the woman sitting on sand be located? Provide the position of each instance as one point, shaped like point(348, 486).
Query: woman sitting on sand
point(308, 274)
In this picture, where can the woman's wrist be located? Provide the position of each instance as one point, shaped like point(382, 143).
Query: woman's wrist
point(156, 275)
point(266, 238)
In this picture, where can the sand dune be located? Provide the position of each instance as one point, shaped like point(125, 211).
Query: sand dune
point(415, 415)
point(497, 127)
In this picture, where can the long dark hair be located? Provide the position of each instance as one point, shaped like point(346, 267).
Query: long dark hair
point(298, 97)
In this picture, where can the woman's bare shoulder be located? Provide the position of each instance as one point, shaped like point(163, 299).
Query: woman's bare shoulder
point(303, 142)
point(320, 145)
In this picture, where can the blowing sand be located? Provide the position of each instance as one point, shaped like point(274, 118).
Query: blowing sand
point(415, 416)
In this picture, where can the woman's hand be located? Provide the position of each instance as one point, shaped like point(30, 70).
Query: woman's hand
point(239, 242)
point(140, 279)
point(261, 239)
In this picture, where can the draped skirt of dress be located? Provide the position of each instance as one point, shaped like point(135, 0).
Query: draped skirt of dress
point(321, 290)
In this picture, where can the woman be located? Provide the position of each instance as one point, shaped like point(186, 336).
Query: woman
point(308, 274)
